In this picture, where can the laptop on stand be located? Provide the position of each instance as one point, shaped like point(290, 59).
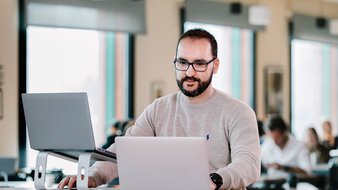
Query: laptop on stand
point(60, 123)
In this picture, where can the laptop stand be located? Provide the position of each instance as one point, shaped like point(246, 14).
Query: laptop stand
point(82, 172)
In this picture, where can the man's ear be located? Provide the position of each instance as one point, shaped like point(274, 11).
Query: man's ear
point(216, 65)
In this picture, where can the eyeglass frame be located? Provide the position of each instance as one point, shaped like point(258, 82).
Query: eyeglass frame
point(192, 64)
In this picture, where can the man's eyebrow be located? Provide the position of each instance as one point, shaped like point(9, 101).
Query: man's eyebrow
point(199, 60)
point(196, 60)
point(181, 59)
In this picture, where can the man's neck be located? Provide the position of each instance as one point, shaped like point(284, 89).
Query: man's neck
point(202, 97)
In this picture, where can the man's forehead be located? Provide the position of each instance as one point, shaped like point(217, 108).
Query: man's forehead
point(189, 40)
point(199, 49)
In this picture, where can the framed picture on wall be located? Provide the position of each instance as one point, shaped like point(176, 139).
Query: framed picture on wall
point(157, 89)
point(1, 92)
point(273, 78)
point(1, 104)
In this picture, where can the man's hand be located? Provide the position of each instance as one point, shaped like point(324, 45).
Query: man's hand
point(70, 182)
point(212, 185)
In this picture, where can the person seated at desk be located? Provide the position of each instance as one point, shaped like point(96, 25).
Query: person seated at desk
point(319, 154)
point(117, 129)
point(198, 110)
point(114, 129)
point(282, 153)
point(330, 141)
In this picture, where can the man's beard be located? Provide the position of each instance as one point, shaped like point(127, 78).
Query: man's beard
point(202, 86)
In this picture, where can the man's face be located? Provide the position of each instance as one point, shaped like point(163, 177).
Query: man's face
point(190, 82)
point(278, 137)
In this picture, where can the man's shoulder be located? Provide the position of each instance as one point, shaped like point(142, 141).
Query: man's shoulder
point(226, 98)
point(165, 100)
point(230, 102)
point(169, 97)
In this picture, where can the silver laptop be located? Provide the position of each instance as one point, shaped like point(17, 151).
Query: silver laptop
point(60, 123)
point(164, 163)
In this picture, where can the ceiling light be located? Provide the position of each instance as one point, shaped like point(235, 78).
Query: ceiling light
point(259, 15)
point(333, 27)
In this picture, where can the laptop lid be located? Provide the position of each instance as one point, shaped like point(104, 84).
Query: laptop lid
point(164, 163)
point(58, 121)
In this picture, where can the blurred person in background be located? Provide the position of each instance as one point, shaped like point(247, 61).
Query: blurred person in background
point(329, 141)
point(114, 132)
point(261, 131)
point(281, 152)
point(319, 154)
point(117, 129)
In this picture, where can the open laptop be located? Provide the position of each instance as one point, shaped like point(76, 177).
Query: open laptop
point(61, 123)
point(164, 163)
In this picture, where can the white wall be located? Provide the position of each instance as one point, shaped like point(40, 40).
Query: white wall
point(9, 61)
point(155, 50)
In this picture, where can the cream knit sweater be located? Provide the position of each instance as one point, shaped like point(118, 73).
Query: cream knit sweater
point(230, 125)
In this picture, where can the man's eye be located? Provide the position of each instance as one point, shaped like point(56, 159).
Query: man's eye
point(183, 62)
point(199, 63)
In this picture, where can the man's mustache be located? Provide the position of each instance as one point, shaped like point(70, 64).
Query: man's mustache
point(190, 78)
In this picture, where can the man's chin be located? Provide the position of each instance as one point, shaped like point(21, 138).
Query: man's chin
point(190, 90)
point(190, 93)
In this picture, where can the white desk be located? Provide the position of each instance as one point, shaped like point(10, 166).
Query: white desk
point(264, 182)
point(301, 186)
point(16, 184)
point(29, 185)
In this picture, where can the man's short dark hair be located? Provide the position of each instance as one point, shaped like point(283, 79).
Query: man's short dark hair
point(276, 123)
point(199, 33)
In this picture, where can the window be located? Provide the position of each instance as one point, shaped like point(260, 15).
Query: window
point(73, 60)
point(314, 77)
point(235, 51)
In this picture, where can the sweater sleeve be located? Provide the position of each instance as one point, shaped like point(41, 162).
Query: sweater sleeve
point(103, 171)
point(244, 168)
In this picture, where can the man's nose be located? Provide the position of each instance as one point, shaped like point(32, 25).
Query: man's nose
point(191, 71)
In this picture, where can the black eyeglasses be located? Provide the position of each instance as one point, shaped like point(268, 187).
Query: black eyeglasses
point(198, 66)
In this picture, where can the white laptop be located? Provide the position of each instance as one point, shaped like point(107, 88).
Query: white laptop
point(61, 123)
point(165, 163)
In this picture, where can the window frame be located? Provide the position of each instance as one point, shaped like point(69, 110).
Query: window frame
point(22, 81)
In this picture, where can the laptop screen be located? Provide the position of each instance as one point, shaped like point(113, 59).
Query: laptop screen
point(58, 121)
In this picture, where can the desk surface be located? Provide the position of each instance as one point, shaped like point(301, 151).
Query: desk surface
point(26, 188)
point(301, 186)
point(267, 182)
point(29, 185)
point(16, 184)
